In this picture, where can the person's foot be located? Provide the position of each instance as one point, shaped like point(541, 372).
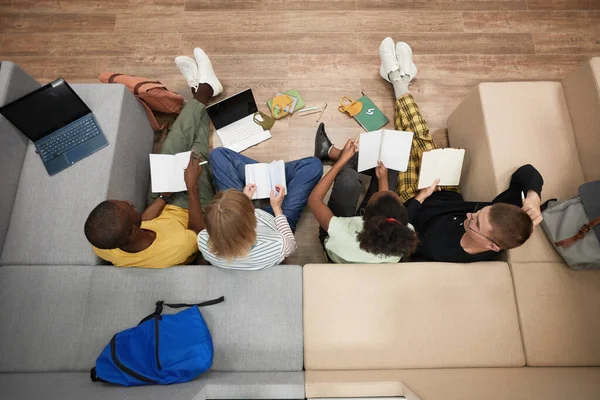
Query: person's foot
point(389, 62)
point(206, 74)
point(405, 60)
point(322, 143)
point(189, 69)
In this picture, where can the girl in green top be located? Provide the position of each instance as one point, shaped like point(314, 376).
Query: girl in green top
point(378, 232)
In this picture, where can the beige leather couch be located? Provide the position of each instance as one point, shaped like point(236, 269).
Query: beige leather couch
point(525, 329)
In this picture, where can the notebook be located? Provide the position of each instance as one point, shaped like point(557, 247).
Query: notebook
point(389, 146)
point(370, 117)
point(166, 172)
point(265, 177)
point(445, 164)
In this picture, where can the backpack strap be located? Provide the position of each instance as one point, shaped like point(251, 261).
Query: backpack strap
point(582, 231)
point(136, 88)
point(159, 307)
point(203, 304)
point(111, 79)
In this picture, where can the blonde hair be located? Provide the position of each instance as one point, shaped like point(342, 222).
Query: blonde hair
point(231, 224)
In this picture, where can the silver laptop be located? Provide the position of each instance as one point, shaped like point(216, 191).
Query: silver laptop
point(233, 119)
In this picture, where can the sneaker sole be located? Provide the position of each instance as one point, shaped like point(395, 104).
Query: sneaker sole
point(413, 68)
point(381, 72)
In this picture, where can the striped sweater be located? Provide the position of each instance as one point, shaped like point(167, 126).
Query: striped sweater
point(274, 242)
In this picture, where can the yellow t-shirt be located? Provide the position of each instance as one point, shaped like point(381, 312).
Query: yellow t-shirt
point(174, 244)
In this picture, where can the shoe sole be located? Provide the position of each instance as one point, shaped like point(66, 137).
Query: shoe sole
point(205, 57)
point(413, 68)
point(383, 75)
point(186, 60)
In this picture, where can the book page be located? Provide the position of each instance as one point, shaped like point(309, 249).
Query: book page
point(369, 145)
point(181, 162)
point(395, 149)
point(277, 174)
point(258, 174)
point(161, 170)
point(445, 164)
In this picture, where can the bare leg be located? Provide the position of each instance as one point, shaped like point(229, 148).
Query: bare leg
point(203, 94)
point(334, 153)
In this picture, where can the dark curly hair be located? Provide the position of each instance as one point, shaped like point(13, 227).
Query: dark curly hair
point(385, 228)
point(104, 227)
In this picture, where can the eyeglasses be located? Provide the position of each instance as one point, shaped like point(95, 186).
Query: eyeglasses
point(480, 234)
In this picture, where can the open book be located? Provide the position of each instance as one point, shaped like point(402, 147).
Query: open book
point(445, 164)
point(166, 172)
point(265, 177)
point(389, 146)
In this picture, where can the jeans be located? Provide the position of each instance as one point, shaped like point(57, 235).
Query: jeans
point(346, 191)
point(301, 176)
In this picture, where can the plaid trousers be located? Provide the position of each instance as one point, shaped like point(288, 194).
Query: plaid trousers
point(408, 118)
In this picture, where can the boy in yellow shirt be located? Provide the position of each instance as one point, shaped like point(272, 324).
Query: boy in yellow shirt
point(165, 233)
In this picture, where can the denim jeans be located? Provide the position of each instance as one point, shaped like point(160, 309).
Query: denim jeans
point(301, 176)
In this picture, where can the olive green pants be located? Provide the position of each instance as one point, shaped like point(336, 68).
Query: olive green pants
point(190, 131)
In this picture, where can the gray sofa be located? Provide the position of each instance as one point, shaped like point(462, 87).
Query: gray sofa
point(58, 308)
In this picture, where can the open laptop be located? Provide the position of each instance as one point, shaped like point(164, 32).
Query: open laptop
point(58, 122)
point(233, 119)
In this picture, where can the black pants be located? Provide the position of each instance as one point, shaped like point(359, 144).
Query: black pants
point(346, 191)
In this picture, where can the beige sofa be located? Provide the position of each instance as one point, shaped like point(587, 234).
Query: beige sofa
point(527, 328)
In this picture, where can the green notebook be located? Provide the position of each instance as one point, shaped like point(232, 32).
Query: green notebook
point(370, 118)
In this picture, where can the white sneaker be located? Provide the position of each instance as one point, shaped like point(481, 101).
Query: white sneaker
point(389, 62)
point(189, 69)
point(405, 60)
point(206, 74)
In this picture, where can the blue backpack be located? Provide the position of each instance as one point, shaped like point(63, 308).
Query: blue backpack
point(161, 350)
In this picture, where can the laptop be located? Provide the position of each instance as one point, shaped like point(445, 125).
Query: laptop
point(58, 122)
point(233, 119)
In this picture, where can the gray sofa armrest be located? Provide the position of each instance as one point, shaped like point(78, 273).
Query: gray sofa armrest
point(14, 83)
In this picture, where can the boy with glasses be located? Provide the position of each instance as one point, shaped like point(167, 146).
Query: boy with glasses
point(449, 228)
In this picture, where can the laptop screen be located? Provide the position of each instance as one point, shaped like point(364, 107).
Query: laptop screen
point(232, 109)
point(45, 110)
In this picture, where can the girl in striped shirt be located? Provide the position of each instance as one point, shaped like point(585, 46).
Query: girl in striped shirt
point(238, 236)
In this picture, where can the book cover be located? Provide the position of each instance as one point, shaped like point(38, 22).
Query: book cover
point(370, 117)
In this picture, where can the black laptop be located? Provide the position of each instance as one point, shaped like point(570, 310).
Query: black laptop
point(58, 122)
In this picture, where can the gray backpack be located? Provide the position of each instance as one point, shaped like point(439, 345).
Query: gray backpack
point(573, 226)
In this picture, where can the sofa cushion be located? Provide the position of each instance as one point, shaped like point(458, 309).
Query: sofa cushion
point(59, 318)
point(42, 312)
point(559, 310)
point(582, 91)
point(50, 211)
point(505, 125)
point(410, 315)
point(14, 83)
point(228, 385)
point(460, 384)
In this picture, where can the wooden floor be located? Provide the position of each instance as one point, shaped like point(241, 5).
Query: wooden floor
point(324, 48)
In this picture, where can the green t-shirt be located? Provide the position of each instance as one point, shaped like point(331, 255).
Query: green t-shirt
point(342, 245)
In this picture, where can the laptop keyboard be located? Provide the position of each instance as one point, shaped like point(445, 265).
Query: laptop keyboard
point(239, 133)
point(68, 137)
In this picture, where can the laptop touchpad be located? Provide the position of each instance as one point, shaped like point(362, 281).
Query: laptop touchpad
point(77, 153)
